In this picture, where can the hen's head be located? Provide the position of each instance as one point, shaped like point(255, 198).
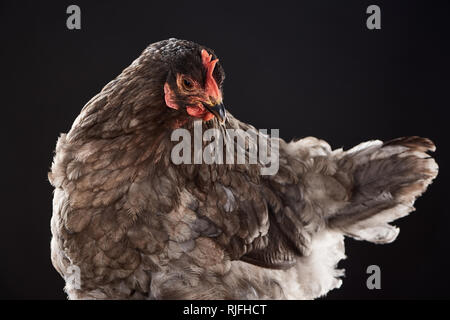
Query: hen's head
point(193, 79)
point(171, 82)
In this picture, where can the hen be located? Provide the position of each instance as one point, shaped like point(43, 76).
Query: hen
point(129, 223)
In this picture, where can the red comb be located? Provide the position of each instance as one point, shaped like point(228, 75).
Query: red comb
point(211, 86)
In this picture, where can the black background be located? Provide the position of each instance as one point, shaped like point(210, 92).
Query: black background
point(305, 67)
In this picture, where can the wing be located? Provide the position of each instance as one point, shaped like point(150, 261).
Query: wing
point(267, 220)
point(237, 213)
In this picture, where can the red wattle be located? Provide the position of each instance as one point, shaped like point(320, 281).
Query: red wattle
point(199, 112)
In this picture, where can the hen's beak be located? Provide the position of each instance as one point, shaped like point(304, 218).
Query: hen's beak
point(218, 111)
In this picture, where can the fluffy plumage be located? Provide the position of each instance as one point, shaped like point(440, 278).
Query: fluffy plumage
point(137, 226)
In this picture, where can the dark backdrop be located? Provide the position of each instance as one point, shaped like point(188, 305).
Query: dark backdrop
point(305, 67)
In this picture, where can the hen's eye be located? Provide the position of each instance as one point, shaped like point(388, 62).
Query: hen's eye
point(187, 83)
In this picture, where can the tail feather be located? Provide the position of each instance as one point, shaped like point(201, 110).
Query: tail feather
point(387, 178)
